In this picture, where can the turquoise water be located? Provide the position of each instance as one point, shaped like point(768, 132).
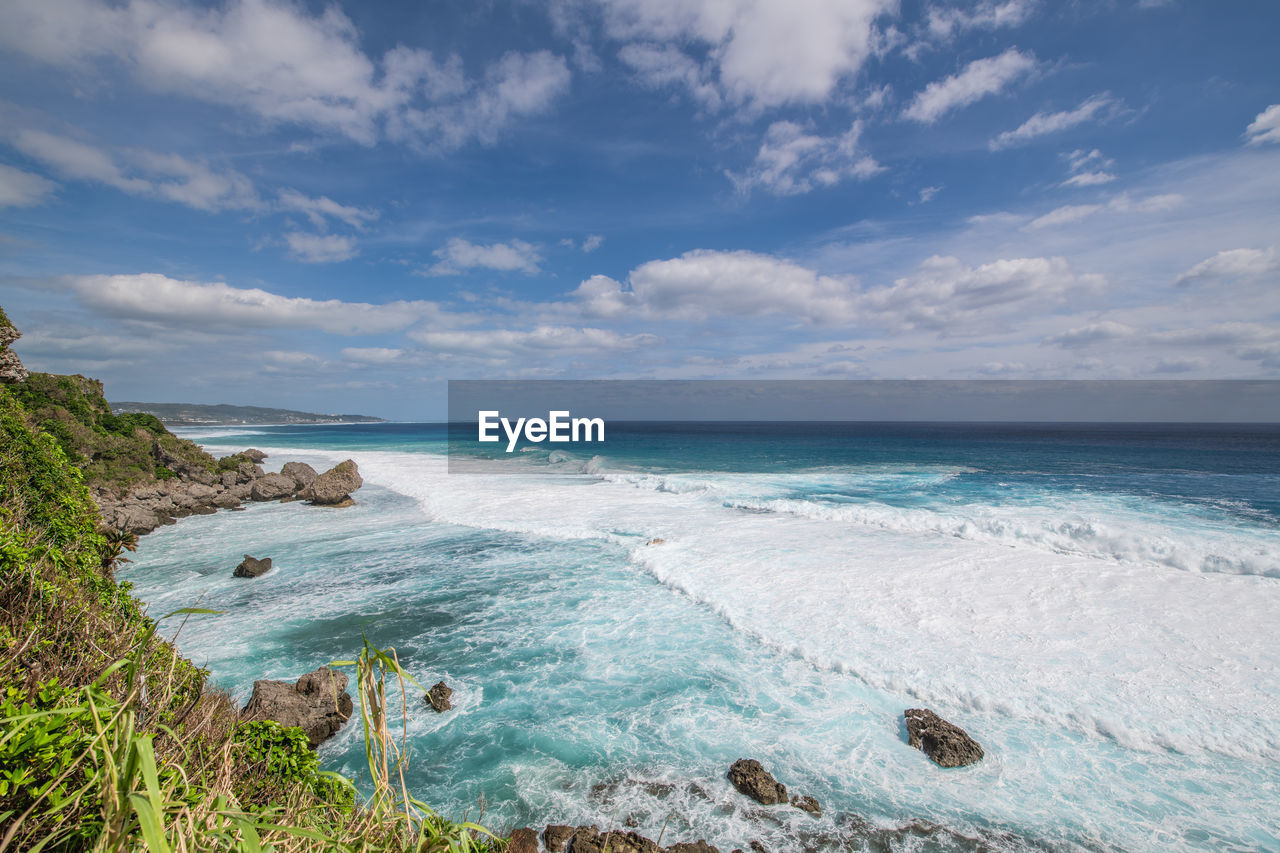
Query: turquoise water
point(1097, 606)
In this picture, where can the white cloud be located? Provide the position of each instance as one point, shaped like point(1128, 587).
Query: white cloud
point(278, 61)
point(593, 242)
point(1043, 124)
point(539, 342)
point(1089, 179)
point(458, 255)
point(1217, 334)
point(1232, 264)
point(950, 296)
point(140, 172)
point(372, 355)
point(791, 162)
point(763, 53)
point(321, 248)
point(318, 210)
point(979, 78)
point(927, 193)
point(704, 283)
point(943, 24)
point(1119, 204)
point(1083, 336)
point(201, 305)
point(661, 66)
point(22, 189)
point(1180, 364)
point(1264, 128)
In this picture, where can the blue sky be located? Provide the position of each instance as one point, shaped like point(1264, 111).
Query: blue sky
point(337, 207)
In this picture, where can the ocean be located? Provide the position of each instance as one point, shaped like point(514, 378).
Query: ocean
point(1098, 605)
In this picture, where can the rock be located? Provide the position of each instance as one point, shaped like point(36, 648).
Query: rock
point(228, 478)
point(757, 846)
point(134, 518)
point(246, 472)
point(523, 841)
point(272, 487)
point(334, 487)
point(698, 846)
point(438, 697)
point(656, 541)
point(309, 704)
point(252, 568)
point(586, 839)
point(12, 371)
point(807, 804)
point(256, 456)
point(303, 474)
point(201, 493)
point(240, 490)
point(628, 842)
point(556, 836)
point(226, 500)
point(948, 745)
point(751, 779)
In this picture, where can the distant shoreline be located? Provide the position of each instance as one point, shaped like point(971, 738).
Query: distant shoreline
point(222, 414)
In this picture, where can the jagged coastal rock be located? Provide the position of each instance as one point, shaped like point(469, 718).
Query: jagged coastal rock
point(523, 841)
point(589, 839)
point(750, 778)
point(438, 697)
point(334, 487)
point(318, 703)
point(254, 454)
point(947, 744)
point(807, 804)
point(195, 491)
point(556, 836)
point(252, 568)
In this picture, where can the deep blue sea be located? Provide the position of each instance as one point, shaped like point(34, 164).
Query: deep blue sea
point(1099, 605)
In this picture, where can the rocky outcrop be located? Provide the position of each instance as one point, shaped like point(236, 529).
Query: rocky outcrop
point(750, 778)
point(303, 474)
point(589, 839)
point(947, 744)
point(257, 456)
point(438, 697)
point(272, 487)
point(334, 487)
point(807, 804)
point(12, 370)
point(252, 568)
point(318, 703)
point(523, 841)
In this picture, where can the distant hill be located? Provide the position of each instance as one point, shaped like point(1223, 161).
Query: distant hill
point(194, 414)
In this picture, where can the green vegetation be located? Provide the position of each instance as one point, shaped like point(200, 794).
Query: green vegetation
point(193, 414)
point(109, 739)
point(114, 451)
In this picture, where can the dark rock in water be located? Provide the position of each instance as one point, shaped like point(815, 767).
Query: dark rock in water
point(699, 846)
point(523, 841)
point(807, 804)
point(948, 745)
point(556, 836)
point(272, 487)
point(334, 487)
point(252, 568)
point(303, 474)
point(627, 842)
point(318, 703)
point(438, 697)
point(226, 500)
point(756, 846)
point(751, 779)
point(256, 455)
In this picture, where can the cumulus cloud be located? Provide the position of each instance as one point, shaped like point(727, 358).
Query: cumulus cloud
point(791, 161)
point(140, 172)
point(458, 255)
point(1043, 124)
point(948, 295)
point(281, 62)
point(662, 66)
point(321, 248)
point(1232, 264)
point(193, 304)
point(1264, 128)
point(1094, 333)
point(762, 53)
point(593, 242)
point(372, 355)
point(320, 210)
point(978, 79)
point(22, 189)
point(704, 283)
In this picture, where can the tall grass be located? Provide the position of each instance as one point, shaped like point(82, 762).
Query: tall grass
point(121, 785)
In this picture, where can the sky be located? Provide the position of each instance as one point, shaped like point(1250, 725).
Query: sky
point(337, 207)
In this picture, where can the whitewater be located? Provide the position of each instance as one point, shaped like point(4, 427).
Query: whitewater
point(1107, 630)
